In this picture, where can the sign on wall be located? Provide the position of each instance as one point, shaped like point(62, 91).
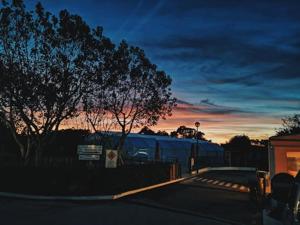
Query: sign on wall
point(89, 157)
point(89, 149)
point(111, 159)
point(89, 152)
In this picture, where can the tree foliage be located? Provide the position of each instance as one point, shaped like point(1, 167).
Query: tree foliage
point(135, 92)
point(53, 69)
point(147, 131)
point(162, 133)
point(240, 143)
point(45, 62)
point(95, 97)
point(290, 125)
point(188, 132)
point(174, 134)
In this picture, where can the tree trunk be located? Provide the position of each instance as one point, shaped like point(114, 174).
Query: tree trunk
point(120, 148)
point(23, 151)
point(121, 142)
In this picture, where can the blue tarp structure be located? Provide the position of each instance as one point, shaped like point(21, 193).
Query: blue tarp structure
point(173, 149)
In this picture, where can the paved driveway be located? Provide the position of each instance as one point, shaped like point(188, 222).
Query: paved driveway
point(213, 199)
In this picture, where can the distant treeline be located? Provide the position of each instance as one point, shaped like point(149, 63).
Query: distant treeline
point(242, 151)
point(181, 132)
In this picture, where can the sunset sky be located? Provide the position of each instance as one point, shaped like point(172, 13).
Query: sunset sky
point(235, 64)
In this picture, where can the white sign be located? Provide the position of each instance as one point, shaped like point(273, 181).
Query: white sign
point(89, 149)
point(111, 159)
point(88, 157)
point(192, 162)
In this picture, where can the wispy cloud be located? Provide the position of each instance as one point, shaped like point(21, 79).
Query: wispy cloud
point(220, 122)
point(129, 19)
point(234, 63)
point(146, 18)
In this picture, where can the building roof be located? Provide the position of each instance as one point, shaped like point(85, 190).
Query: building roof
point(149, 141)
point(165, 138)
point(291, 137)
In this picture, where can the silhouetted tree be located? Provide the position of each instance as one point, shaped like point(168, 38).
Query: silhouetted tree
point(187, 132)
point(245, 152)
point(162, 133)
point(44, 64)
point(138, 94)
point(290, 125)
point(240, 144)
point(200, 135)
point(174, 134)
point(50, 65)
point(146, 131)
point(240, 141)
point(94, 101)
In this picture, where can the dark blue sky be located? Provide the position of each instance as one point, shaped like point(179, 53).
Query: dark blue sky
point(235, 64)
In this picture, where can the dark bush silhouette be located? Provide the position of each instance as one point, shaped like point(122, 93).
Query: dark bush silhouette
point(290, 125)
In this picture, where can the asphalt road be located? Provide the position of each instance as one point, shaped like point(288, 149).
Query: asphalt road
point(20, 212)
point(186, 203)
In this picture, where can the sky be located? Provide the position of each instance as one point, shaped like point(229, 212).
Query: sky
point(235, 64)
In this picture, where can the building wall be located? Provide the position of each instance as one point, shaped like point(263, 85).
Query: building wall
point(281, 149)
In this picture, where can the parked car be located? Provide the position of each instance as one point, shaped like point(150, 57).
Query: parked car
point(140, 156)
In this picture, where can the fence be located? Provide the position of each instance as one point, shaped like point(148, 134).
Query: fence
point(81, 179)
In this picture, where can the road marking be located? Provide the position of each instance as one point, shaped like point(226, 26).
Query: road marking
point(216, 181)
point(209, 181)
point(204, 180)
point(221, 183)
point(200, 178)
point(235, 186)
point(228, 185)
point(242, 188)
point(187, 181)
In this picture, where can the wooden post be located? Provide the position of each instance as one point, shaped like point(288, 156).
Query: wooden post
point(192, 158)
point(173, 171)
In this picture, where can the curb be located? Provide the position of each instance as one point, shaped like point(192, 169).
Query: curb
point(206, 169)
point(89, 198)
point(66, 198)
point(148, 188)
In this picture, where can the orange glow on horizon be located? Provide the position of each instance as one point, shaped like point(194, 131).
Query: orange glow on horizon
point(217, 127)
